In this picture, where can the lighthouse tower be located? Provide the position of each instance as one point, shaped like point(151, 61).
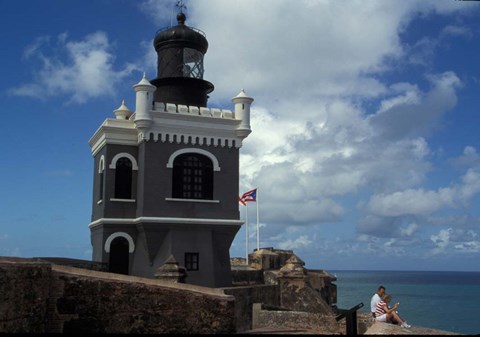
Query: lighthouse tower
point(166, 175)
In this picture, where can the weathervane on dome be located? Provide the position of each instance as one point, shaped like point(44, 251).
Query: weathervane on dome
point(181, 6)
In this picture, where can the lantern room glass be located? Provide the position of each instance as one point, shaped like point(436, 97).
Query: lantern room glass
point(180, 62)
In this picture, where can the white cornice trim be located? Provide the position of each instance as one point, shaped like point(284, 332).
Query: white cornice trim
point(188, 221)
point(207, 201)
point(122, 200)
point(114, 131)
point(171, 123)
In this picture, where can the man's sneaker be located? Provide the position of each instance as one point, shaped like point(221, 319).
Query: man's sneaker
point(405, 325)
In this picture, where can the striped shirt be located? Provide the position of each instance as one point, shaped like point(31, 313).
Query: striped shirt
point(379, 311)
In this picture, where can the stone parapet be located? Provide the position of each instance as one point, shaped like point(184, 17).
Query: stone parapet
point(296, 320)
point(192, 110)
point(40, 297)
point(379, 328)
point(245, 297)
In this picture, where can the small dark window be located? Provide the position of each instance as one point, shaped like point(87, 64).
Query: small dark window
point(192, 177)
point(123, 178)
point(191, 261)
point(100, 190)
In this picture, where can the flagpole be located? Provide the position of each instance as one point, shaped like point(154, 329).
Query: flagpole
point(246, 232)
point(258, 227)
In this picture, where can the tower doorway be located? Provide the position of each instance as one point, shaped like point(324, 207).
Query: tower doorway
point(118, 261)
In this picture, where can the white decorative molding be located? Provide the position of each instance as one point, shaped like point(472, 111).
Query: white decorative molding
point(214, 159)
point(171, 122)
point(113, 164)
point(183, 124)
point(114, 131)
point(194, 200)
point(108, 242)
point(101, 164)
point(122, 200)
point(163, 220)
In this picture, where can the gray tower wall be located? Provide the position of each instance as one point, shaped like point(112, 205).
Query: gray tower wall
point(107, 208)
point(152, 191)
point(155, 184)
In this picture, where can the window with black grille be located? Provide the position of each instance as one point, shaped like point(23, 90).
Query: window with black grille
point(191, 261)
point(192, 177)
point(123, 178)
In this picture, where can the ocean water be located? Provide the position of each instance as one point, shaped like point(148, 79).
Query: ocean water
point(439, 300)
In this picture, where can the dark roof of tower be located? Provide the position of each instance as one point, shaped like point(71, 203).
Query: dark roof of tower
point(181, 35)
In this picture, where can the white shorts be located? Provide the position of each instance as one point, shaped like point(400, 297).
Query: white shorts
point(381, 318)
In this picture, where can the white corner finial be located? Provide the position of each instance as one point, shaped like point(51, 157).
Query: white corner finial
point(144, 82)
point(241, 94)
point(122, 112)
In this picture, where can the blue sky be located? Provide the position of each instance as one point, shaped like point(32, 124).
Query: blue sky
point(364, 148)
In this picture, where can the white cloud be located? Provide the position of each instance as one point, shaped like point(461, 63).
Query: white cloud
point(456, 31)
point(411, 201)
point(298, 50)
point(300, 242)
point(469, 158)
point(409, 230)
point(34, 47)
point(391, 210)
point(81, 69)
point(458, 240)
point(412, 117)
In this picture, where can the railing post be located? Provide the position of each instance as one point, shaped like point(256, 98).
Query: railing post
point(350, 316)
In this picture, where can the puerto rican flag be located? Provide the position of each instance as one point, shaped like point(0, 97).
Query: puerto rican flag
point(248, 196)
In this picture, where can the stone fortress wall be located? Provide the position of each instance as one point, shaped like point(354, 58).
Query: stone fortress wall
point(41, 297)
point(49, 295)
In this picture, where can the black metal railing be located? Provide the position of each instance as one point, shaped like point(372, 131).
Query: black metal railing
point(351, 318)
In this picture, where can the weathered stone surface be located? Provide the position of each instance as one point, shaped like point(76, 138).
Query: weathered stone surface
point(120, 307)
point(245, 297)
point(301, 297)
point(40, 297)
point(269, 258)
point(238, 261)
point(297, 320)
point(297, 293)
point(379, 328)
point(24, 295)
point(243, 275)
point(293, 268)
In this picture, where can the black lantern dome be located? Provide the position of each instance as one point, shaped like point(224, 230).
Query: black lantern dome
point(180, 50)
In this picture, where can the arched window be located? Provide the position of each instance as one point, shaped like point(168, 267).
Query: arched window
point(118, 259)
point(192, 177)
point(123, 178)
point(101, 177)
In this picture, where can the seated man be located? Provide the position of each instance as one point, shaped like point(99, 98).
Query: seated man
point(377, 297)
